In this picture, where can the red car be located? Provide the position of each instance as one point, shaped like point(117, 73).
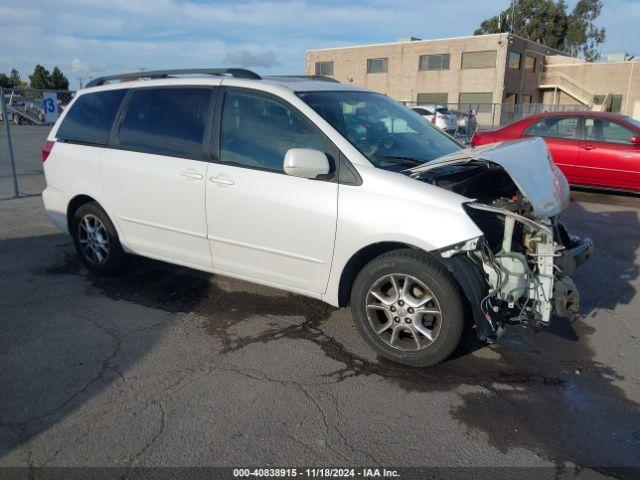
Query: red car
point(592, 149)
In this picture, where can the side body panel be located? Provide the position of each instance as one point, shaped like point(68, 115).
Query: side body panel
point(392, 207)
point(610, 165)
point(158, 202)
point(71, 169)
point(272, 227)
point(565, 153)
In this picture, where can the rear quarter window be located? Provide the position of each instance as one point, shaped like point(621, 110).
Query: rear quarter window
point(91, 117)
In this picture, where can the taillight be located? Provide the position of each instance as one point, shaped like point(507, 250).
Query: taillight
point(46, 149)
point(433, 119)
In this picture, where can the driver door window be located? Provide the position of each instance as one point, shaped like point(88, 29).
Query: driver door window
point(605, 130)
point(257, 131)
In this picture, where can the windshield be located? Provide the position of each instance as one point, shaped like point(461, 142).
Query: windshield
point(390, 135)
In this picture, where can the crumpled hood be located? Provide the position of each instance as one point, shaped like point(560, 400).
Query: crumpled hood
point(528, 163)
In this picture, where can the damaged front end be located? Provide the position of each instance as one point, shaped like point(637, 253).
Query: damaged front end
point(518, 274)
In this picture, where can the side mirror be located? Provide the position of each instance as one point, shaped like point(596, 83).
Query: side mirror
point(305, 163)
point(635, 140)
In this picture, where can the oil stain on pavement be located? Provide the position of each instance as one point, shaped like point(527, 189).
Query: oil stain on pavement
point(560, 403)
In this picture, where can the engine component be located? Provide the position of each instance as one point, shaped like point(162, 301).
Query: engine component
point(522, 267)
point(512, 276)
point(566, 298)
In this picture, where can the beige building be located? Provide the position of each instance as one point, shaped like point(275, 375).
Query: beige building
point(606, 86)
point(481, 70)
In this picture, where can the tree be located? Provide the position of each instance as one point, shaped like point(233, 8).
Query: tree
point(5, 82)
point(16, 81)
point(547, 22)
point(40, 78)
point(582, 34)
point(58, 81)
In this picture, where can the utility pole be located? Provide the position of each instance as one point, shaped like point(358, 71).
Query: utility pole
point(5, 120)
point(513, 15)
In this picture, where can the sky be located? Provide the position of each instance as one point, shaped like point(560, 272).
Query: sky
point(87, 38)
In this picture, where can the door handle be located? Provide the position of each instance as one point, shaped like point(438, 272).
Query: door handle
point(222, 180)
point(191, 174)
point(588, 147)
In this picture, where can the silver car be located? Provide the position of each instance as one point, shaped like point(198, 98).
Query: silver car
point(440, 116)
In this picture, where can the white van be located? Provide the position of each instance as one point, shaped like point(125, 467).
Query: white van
point(321, 189)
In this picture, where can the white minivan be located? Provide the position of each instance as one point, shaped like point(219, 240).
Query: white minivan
point(322, 189)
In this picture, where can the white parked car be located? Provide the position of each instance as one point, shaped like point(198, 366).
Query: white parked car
point(321, 189)
point(438, 115)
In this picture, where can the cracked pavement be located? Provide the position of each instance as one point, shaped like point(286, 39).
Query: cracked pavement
point(166, 366)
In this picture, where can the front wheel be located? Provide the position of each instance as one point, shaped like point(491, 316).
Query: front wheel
point(408, 308)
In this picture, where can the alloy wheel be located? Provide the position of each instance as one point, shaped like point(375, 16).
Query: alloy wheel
point(403, 312)
point(93, 239)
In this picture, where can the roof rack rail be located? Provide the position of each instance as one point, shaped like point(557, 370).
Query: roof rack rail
point(321, 78)
point(233, 72)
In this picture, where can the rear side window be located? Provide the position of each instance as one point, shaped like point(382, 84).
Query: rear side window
point(166, 121)
point(554, 127)
point(90, 118)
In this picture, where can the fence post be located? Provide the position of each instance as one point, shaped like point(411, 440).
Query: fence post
point(5, 119)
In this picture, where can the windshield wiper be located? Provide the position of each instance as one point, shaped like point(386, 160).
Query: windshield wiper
point(401, 160)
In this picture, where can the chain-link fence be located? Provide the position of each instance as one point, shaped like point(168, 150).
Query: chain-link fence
point(30, 106)
point(466, 118)
point(26, 116)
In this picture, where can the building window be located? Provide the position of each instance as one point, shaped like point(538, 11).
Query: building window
point(435, 62)
point(510, 100)
point(481, 102)
point(377, 65)
point(514, 60)
point(613, 102)
point(433, 98)
point(599, 99)
point(616, 103)
point(526, 98)
point(324, 68)
point(479, 59)
point(530, 64)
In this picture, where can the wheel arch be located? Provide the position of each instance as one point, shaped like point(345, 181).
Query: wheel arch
point(74, 204)
point(357, 261)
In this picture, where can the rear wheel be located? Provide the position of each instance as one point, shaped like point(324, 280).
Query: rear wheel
point(408, 308)
point(96, 240)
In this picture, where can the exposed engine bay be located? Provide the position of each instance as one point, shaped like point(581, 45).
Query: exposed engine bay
point(526, 257)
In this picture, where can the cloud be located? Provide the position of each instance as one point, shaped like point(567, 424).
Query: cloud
point(94, 37)
point(80, 66)
point(245, 58)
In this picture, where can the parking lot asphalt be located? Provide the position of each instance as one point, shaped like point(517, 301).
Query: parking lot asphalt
point(169, 366)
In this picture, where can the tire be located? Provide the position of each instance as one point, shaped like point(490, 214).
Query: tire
point(101, 252)
point(422, 336)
